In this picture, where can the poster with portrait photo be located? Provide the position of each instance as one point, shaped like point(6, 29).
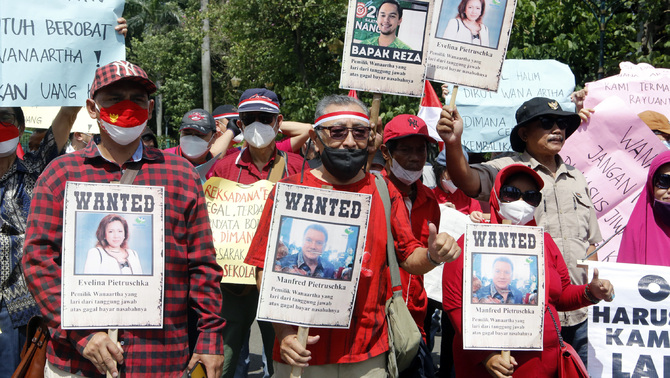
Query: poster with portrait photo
point(313, 258)
point(385, 46)
point(503, 287)
point(113, 256)
point(469, 41)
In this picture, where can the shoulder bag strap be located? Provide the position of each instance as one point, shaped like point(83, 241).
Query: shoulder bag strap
point(560, 338)
point(278, 169)
point(131, 172)
point(383, 191)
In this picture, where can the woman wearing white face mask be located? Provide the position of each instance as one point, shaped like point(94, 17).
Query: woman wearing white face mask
point(447, 193)
point(514, 197)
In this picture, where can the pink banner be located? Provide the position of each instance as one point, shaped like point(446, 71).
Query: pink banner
point(613, 150)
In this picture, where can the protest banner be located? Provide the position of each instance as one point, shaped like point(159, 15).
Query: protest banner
point(393, 67)
point(41, 117)
point(460, 56)
point(641, 86)
point(234, 210)
point(628, 337)
point(488, 117)
point(102, 288)
point(613, 151)
point(51, 48)
point(453, 223)
point(325, 230)
point(503, 287)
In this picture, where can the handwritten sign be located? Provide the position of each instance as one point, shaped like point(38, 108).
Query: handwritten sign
point(314, 254)
point(509, 317)
point(391, 60)
point(488, 117)
point(613, 151)
point(642, 87)
point(113, 272)
point(628, 337)
point(234, 210)
point(460, 56)
point(49, 49)
point(41, 117)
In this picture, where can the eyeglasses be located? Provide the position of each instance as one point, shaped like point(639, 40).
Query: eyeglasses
point(249, 118)
point(7, 118)
point(510, 193)
point(341, 132)
point(662, 181)
point(547, 123)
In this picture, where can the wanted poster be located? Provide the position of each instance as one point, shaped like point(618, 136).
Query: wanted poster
point(314, 255)
point(113, 256)
point(469, 41)
point(503, 287)
point(234, 210)
point(385, 46)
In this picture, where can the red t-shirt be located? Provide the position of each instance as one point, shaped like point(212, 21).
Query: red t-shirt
point(463, 203)
point(367, 334)
point(560, 295)
point(239, 167)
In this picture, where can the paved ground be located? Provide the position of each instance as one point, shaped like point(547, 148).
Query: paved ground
point(255, 347)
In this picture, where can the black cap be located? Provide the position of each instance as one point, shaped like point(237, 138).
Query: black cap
point(534, 108)
point(199, 120)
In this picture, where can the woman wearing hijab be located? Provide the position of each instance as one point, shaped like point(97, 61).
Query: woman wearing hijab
point(647, 235)
point(514, 197)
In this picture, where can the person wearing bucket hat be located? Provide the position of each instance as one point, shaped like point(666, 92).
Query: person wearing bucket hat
point(121, 104)
point(566, 211)
point(659, 124)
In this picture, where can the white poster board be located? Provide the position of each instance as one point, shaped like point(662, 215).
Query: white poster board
point(395, 69)
point(628, 337)
point(313, 224)
point(459, 56)
point(503, 287)
point(101, 287)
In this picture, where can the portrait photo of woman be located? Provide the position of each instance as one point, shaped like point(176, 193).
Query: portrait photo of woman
point(111, 254)
point(467, 26)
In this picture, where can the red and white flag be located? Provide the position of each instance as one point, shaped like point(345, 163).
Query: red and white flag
point(430, 109)
point(353, 93)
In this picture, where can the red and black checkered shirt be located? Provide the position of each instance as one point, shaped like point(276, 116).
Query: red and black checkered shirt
point(192, 275)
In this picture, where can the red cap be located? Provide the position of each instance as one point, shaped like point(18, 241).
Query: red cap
point(121, 70)
point(405, 125)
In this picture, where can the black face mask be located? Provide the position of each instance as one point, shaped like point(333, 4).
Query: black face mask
point(343, 164)
point(662, 211)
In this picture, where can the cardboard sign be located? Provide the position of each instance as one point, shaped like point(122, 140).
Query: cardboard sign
point(628, 337)
point(503, 287)
point(113, 272)
point(613, 151)
point(234, 210)
point(41, 117)
point(49, 49)
point(314, 254)
point(466, 52)
point(383, 52)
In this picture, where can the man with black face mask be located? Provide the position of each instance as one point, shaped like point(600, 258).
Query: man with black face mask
point(341, 135)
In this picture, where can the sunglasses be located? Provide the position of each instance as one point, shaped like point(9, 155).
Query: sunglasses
point(510, 193)
point(662, 181)
point(249, 118)
point(341, 132)
point(547, 123)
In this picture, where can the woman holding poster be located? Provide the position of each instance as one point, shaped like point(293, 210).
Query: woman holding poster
point(467, 26)
point(514, 197)
point(111, 254)
point(647, 234)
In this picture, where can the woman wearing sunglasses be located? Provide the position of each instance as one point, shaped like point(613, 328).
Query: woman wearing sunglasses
point(647, 235)
point(514, 197)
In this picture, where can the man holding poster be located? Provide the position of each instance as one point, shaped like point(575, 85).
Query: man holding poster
point(119, 100)
point(342, 134)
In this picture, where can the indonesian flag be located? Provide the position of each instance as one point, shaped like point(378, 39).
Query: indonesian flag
point(430, 109)
point(353, 93)
point(19, 151)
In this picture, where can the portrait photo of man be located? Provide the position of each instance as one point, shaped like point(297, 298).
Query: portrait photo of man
point(308, 261)
point(389, 18)
point(505, 280)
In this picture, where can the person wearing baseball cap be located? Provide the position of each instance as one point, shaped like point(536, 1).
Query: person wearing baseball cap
point(120, 103)
point(405, 149)
point(226, 117)
point(566, 211)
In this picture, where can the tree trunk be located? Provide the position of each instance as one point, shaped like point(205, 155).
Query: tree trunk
point(159, 109)
point(206, 63)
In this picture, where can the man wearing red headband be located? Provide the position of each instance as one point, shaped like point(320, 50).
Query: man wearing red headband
point(121, 104)
point(341, 135)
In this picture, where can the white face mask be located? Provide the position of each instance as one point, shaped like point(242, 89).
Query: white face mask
point(8, 147)
point(193, 146)
point(405, 176)
point(123, 135)
point(518, 212)
point(259, 135)
point(449, 186)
